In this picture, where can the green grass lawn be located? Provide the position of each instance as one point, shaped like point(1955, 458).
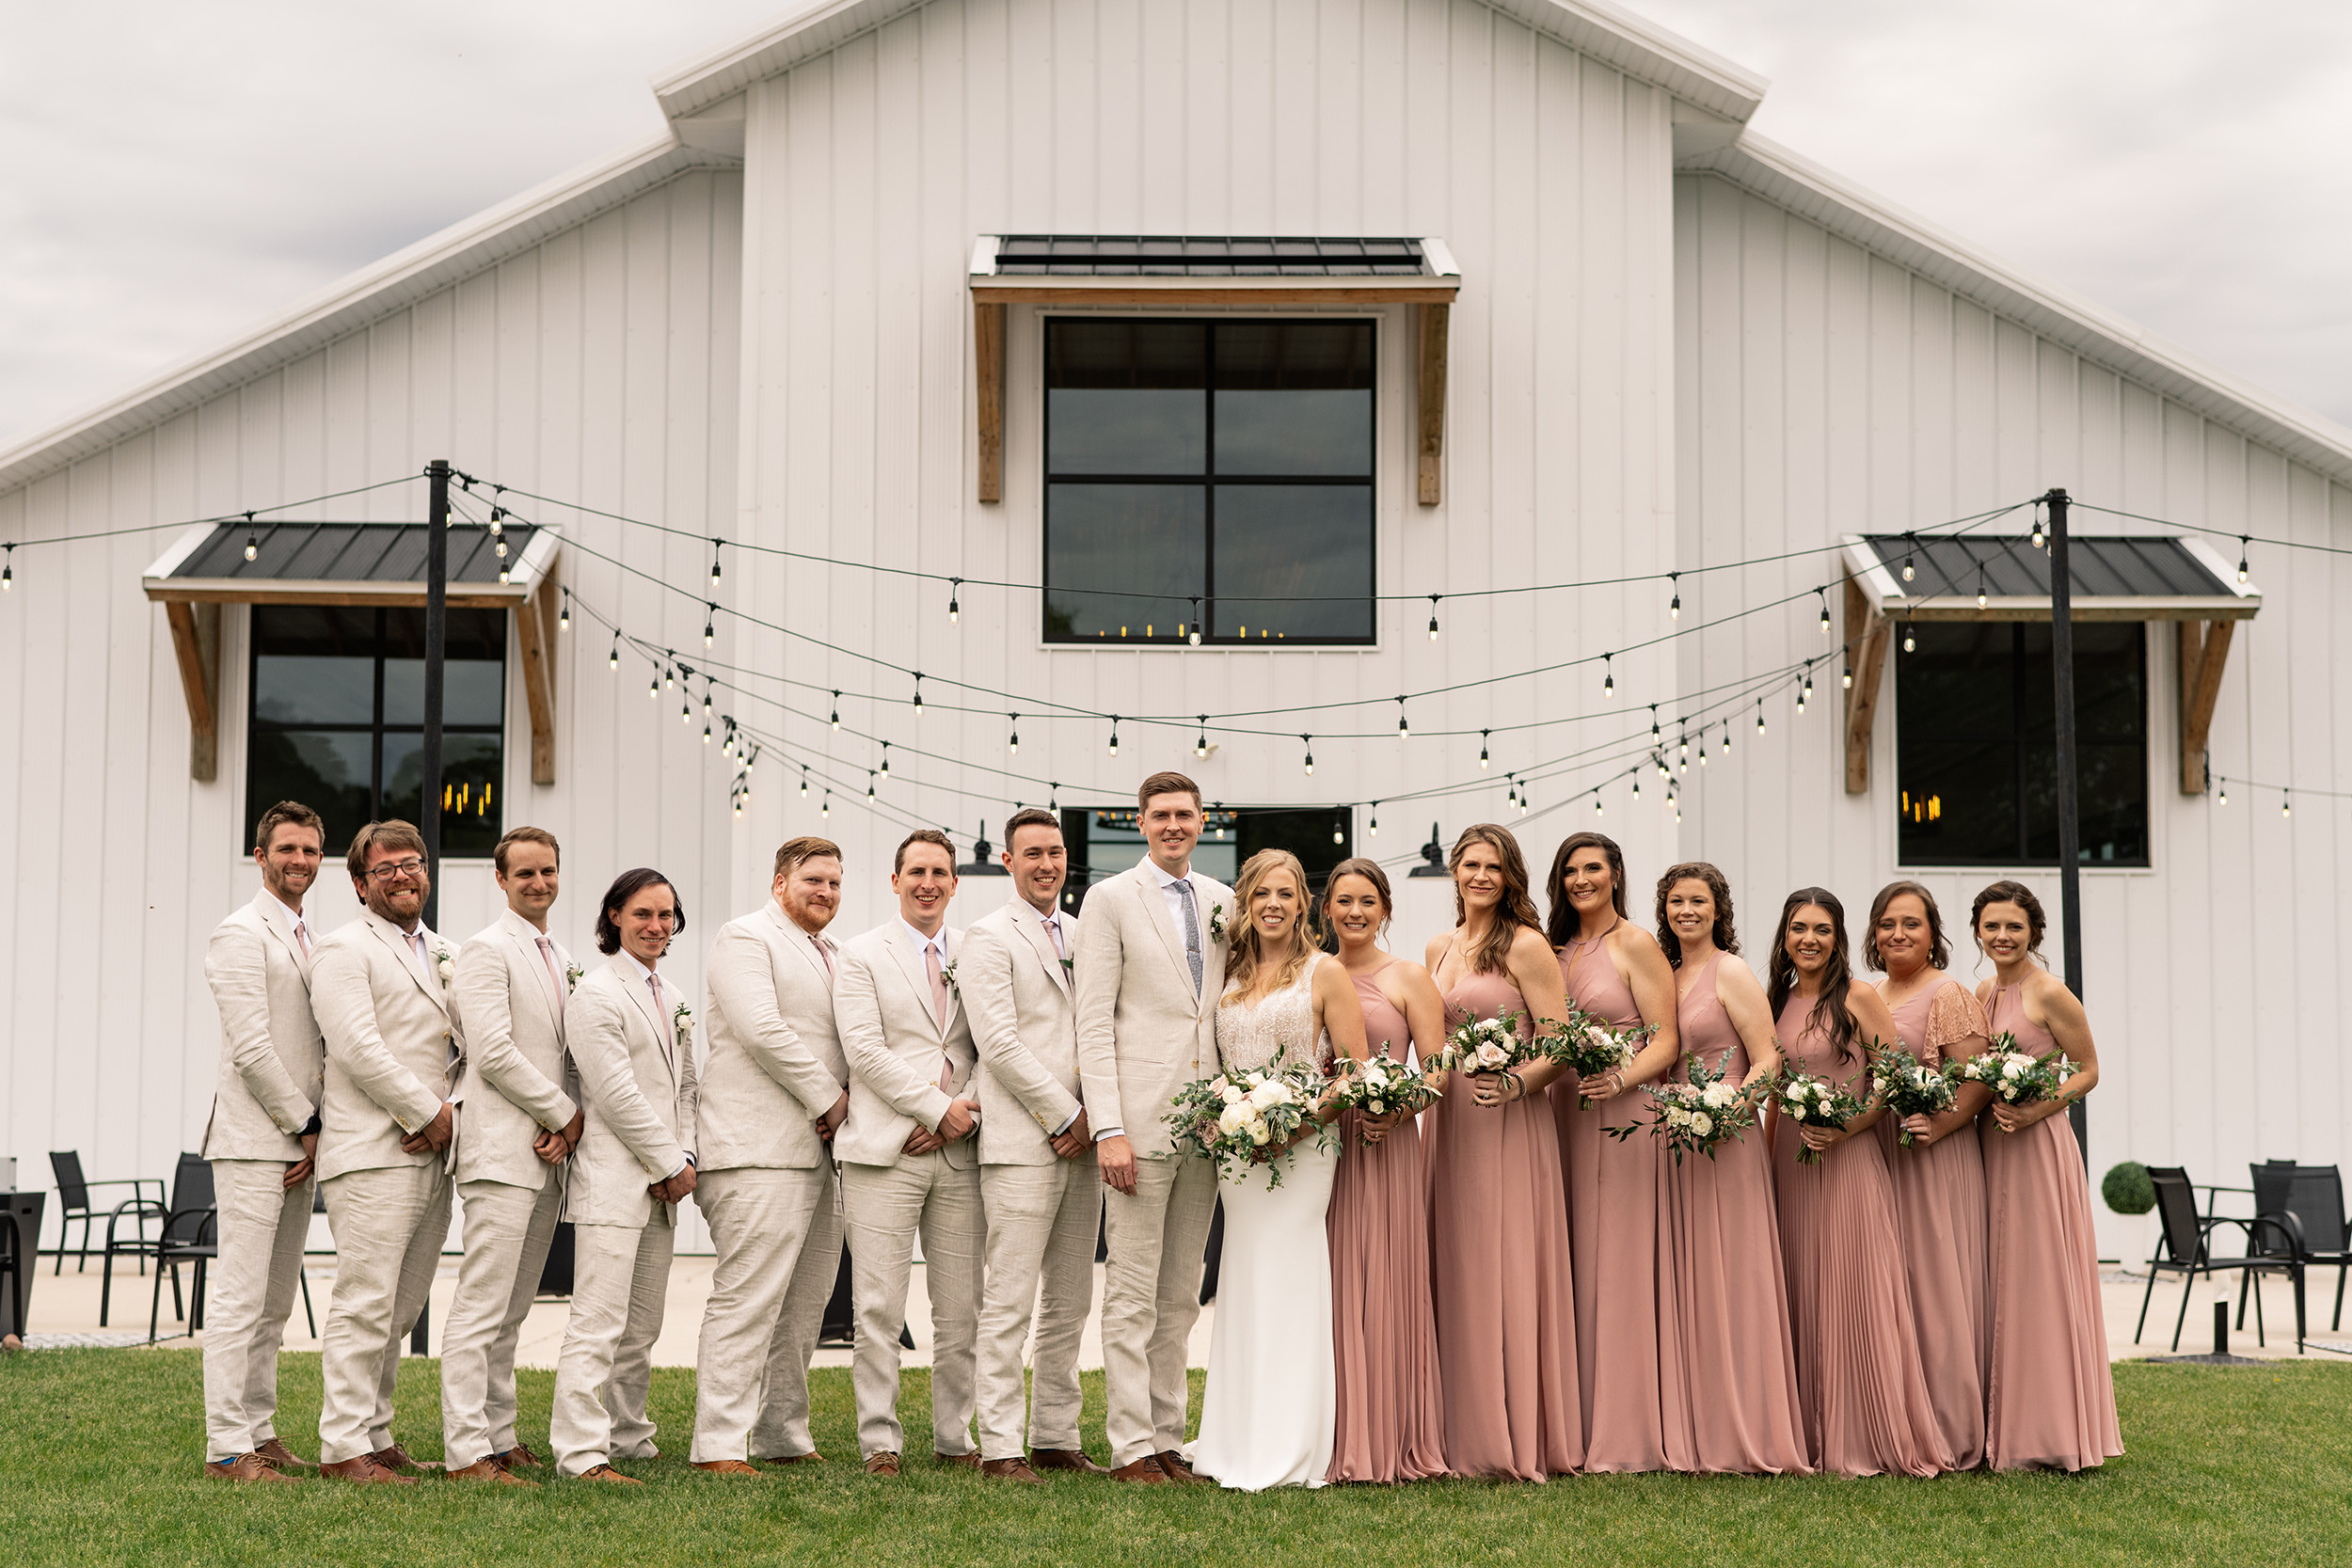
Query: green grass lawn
point(101, 1465)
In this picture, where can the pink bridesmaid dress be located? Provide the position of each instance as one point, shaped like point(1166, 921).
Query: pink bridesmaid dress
point(1865, 1403)
point(1391, 1424)
point(1728, 1317)
point(2050, 1398)
point(1628, 1387)
point(1498, 1273)
point(1939, 1198)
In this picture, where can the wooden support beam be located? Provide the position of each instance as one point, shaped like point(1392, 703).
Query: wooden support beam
point(1867, 632)
point(1431, 382)
point(195, 638)
point(534, 629)
point(988, 357)
point(2205, 650)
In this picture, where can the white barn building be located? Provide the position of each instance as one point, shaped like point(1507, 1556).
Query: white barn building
point(896, 295)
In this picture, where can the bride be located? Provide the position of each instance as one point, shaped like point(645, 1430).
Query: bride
point(1267, 1415)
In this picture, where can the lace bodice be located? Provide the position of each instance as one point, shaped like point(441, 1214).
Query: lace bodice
point(1251, 1034)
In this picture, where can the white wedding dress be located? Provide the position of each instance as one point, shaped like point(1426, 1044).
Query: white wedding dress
point(1271, 1405)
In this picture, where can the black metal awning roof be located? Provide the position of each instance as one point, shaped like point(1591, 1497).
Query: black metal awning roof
point(2112, 578)
point(321, 562)
point(1211, 256)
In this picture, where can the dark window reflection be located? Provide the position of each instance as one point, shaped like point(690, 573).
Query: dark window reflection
point(1306, 552)
point(1143, 541)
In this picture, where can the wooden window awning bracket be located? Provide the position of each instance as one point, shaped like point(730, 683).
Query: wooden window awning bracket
point(1867, 632)
point(2205, 652)
point(534, 630)
point(196, 642)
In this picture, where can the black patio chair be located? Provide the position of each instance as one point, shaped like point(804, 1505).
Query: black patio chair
point(74, 1200)
point(190, 1236)
point(2307, 1203)
point(2185, 1248)
point(191, 1188)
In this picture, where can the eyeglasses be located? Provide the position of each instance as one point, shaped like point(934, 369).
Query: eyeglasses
point(390, 869)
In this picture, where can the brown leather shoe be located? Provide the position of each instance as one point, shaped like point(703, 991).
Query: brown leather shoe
point(1174, 1463)
point(243, 1467)
point(962, 1461)
point(1066, 1459)
point(780, 1460)
point(882, 1463)
point(279, 1457)
point(607, 1473)
point(1146, 1469)
point(364, 1470)
point(1015, 1468)
point(519, 1457)
point(491, 1471)
point(395, 1459)
point(724, 1467)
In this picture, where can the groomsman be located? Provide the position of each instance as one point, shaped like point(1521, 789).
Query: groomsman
point(775, 1089)
point(379, 986)
point(632, 1040)
point(1150, 969)
point(907, 1166)
point(1044, 1199)
point(260, 1140)
point(518, 1126)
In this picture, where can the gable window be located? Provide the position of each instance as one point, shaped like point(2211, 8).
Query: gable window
point(339, 719)
point(1208, 481)
point(1976, 749)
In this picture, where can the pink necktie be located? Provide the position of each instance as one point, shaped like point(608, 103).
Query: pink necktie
point(547, 951)
point(824, 951)
point(416, 940)
point(1052, 928)
point(302, 935)
point(939, 983)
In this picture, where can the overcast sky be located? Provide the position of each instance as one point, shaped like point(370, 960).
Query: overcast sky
point(170, 173)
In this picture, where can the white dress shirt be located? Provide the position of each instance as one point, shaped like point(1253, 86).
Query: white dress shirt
point(290, 919)
point(922, 941)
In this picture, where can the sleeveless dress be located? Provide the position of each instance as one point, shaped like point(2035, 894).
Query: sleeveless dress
point(1728, 1315)
point(1939, 1199)
point(2050, 1395)
point(1384, 1339)
point(1499, 1276)
point(1865, 1403)
point(1268, 1412)
point(1627, 1387)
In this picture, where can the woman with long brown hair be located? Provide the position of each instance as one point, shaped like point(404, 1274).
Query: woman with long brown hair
point(1500, 1280)
point(1728, 1315)
point(1384, 1343)
point(1635, 1407)
point(1866, 1403)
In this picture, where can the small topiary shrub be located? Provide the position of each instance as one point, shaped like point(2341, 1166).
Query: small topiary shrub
point(2127, 1189)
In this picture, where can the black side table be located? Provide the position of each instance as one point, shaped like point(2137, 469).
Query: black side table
point(25, 1210)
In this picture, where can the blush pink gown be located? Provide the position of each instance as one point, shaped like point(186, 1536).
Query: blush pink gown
point(1728, 1317)
point(1391, 1423)
point(1939, 1198)
point(1499, 1273)
point(2050, 1395)
point(1865, 1403)
point(1629, 1388)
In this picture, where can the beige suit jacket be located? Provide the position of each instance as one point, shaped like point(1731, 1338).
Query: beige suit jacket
point(517, 1079)
point(637, 1083)
point(882, 1004)
point(385, 1016)
point(1024, 1026)
point(773, 1063)
point(1142, 1034)
point(272, 1061)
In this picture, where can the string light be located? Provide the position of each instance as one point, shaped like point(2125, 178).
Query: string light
point(563, 621)
point(1911, 540)
point(1637, 784)
point(918, 693)
point(885, 760)
point(1012, 747)
point(955, 611)
point(870, 783)
point(715, 543)
point(824, 807)
point(1373, 826)
point(1980, 596)
point(7, 568)
point(1849, 673)
point(1685, 758)
point(668, 674)
point(1759, 724)
point(1193, 634)
point(1653, 724)
point(1309, 741)
point(614, 658)
point(1339, 832)
point(1806, 695)
point(1403, 731)
point(654, 688)
point(1596, 811)
point(804, 781)
point(1433, 617)
point(1511, 790)
point(1052, 796)
point(253, 543)
point(2244, 540)
point(2224, 798)
point(1674, 606)
point(706, 732)
point(1114, 734)
point(2037, 526)
point(1608, 677)
point(1908, 643)
point(685, 707)
point(2287, 805)
point(1823, 594)
point(1663, 772)
point(710, 625)
point(836, 709)
point(1482, 747)
point(708, 683)
point(1728, 732)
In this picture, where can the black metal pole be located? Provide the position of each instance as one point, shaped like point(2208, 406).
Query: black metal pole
point(435, 636)
point(2070, 820)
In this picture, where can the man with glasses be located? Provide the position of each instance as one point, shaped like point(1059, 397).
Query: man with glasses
point(380, 988)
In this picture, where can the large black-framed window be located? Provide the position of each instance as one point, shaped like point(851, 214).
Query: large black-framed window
point(337, 719)
point(1209, 477)
point(1975, 744)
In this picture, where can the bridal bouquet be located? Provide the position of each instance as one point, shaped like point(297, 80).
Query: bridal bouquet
point(1695, 1116)
point(1235, 1118)
point(1486, 1045)
point(2016, 1077)
point(1811, 1102)
point(1910, 1089)
point(1381, 1086)
point(1590, 1046)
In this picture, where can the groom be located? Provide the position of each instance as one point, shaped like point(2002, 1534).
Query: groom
point(1150, 969)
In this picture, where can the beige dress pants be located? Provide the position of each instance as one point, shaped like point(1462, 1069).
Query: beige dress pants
point(249, 1292)
point(508, 1230)
point(1150, 1299)
point(388, 1225)
point(620, 1279)
point(778, 1235)
point(887, 1207)
point(1042, 1225)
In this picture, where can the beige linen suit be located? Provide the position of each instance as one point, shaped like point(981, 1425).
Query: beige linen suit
point(384, 1014)
point(270, 1080)
point(1042, 1211)
point(509, 1004)
point(896, 1050)
point(1144, 1032)
point(637, 1084)
point(764, 1181)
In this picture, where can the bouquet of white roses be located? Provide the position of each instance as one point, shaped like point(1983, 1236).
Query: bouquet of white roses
point(1811, 1102)
point(1695, 1116)
point(1486, 1045)
point(1240, 1120)
point(1381, 1086)
point(1589, 1046)
point(2016, 1077)
point(1910, 1089)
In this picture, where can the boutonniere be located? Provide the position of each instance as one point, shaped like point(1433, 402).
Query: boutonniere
point(683, 1019)
point(572, 974)
point(947, 972)
point(1070, 966)
point(1216, 923)
point(444, 965)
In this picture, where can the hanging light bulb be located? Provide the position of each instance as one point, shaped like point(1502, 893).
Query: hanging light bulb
point(706, 733)
point(7, 570)
point(1653, 723)
point(499, 548)
point(918, 693)
point(2287, 805)
point(714, 562)
point(1052, 796)
point(654, 688)
point(1511, 790)
point(1674, 606)
point(1981, 596)
point(1201, 746)
point(1912, 541)
point(2243, 541)
point(869, 784)
point(1597, 802)
point(955, 611)
point(1309, 742)
point(804, 781)
point(563, 621)
point(1759, 724)
point(1685, 758)
point(1727, 734)
point(1637, 784)
point(1849, 686)
point(1114, 734)
point(1433, 617)
point(2224, 798)
point(1823, 596)
point(1339, 833)
point(614, 658)
point(502, 575)
point(710, 625)
point(685, 707)
point(1663, 772)
point(824, 807)
point(1481, 746)
point(885, 760)
point(1192, 634)
point(2037, 526)
point(1909, 643)
point(1373, 826)
point(837, 710)
point(1403, 732)
point(253, 543)
point(1012, 747)
point(707, 696)
point(1806, 695)
point(668, 675)
point(1608, 677)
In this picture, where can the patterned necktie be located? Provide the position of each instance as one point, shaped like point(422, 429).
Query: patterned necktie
point(1192, 933)
point(302, 936)
point(1052, 928)
point(547, 951)
point(824, 951)
point(939, 1007)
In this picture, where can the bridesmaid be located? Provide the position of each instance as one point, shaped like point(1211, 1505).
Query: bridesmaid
point(1635, 1401)
point(1390, 1426)
point(1730, 1308)
point(1939, 1180)
point(1859, 1386)
point(2050, 1397)
point(1497, 1222)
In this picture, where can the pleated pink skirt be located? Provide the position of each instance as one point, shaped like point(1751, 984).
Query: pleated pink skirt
point(1384, 1339)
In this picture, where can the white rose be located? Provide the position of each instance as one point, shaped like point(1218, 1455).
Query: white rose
point(1259, 1132)
point(1702, 1123)
point(2011, 1068)
point(1678, 1116)
point(1796, 1106)
point(1492, 1057)
point(1375, 1079)
point(1717, 1096)
point(1273, 1091)
point(1380, 1107)
point(1236, 1118)
point(1232, 1094)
